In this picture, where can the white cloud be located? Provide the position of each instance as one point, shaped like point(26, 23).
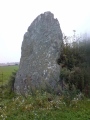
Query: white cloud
point(17, 15)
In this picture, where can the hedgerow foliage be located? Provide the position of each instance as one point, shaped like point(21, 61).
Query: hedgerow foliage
point(75, 66)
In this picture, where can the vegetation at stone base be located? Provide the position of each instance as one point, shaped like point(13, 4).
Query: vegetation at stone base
point(43, 106)
point(6, 72)
point(75, 62)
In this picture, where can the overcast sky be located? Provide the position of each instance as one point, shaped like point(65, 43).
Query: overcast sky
point(17, 15)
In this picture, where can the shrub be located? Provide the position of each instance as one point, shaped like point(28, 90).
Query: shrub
point(75, 66)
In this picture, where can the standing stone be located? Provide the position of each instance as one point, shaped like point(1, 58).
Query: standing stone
point(40, 50)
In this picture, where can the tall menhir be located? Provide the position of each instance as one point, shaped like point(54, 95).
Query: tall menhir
point(40, 50)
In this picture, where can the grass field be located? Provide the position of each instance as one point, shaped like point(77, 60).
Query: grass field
point(40, 106)
point(5, 73)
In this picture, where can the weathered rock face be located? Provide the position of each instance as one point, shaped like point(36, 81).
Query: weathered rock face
point(41, 47)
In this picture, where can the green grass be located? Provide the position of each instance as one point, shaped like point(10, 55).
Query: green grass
point(5, 73)
point(40, 106)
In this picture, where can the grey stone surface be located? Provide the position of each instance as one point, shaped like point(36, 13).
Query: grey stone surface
point(40, 50)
